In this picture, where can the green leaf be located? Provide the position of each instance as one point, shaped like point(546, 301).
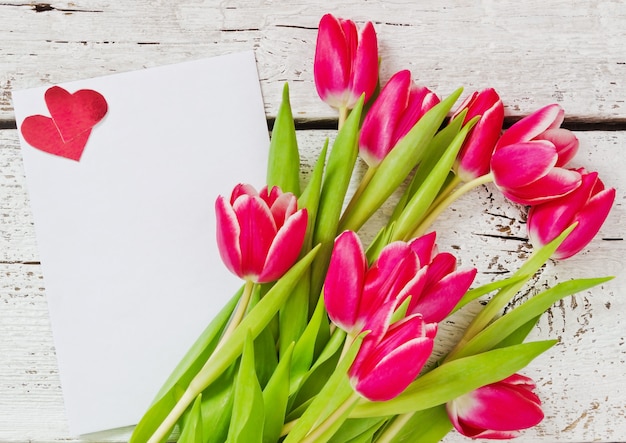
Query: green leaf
point(310, 198)
point(397, 165)
point(266, 359)
point(438, 146)
point(426, 426)
point(335, 392)
point(217, 406)
point(502, 297)
point(304, 351)
point(455, 378)
point(425, 195)
point(192, 430)
point(283, 166)
point(248, 410)
point(337, 177)
point(478, 292)
point(518, 317)
point(357, 430)
point(275, 398)
point(184, 372)
point(293, 316)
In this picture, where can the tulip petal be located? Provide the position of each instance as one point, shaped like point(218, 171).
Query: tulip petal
point(424, 247)
point(420, 101)
point(282, 253)
point(365, 67)
point(557, 183)
point(564, 140)
point(242, 189)
point(475, 156)
point(228, 232)
point(395, 267)
point(546, 221)
point(523, 163)
point(443, 264)
point(502, 408)
point(257, 233)
point(590, 220)
point(438, 300)
point(331, 68)
point(529, 127)
point(344, 280)
point(375, 140)
point(395, 362)
point(283, 207)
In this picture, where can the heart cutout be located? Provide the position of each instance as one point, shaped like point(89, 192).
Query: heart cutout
point(41, 132)
point(72, 117)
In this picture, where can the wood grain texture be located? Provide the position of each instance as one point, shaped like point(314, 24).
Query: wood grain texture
point(581, 380)
point(532, 52)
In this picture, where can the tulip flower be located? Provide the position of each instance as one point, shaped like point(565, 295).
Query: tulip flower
point(543, 124)
point(396, 110)
point(527, 173)
point(346, 62)
point(259, 234)
point(385, 366)
point(475, 155)
point(588, 205)
point(359, 298)
point(497, 411)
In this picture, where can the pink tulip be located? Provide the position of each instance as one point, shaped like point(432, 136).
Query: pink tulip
point(399, 106)
point(543, 124)
point(475, 155)
point(386, 365)
point(346, 62)
point(588, 205)
point(259, 234)
point(527, 173)
point(359, 298)
point(498, 411)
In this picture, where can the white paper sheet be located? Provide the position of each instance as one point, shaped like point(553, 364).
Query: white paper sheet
point(126, 235)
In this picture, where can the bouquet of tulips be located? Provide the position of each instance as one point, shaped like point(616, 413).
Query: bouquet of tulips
point(331, 340)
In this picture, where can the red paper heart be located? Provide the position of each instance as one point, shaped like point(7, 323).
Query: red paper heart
point(75, 113)
point(41, 133)
point(72, 117)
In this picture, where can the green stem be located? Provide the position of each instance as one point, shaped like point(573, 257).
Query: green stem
point(447, 201)
point(343, 116)
point(317, 432)
point(447, 190)
point(242, 307)
point(396, 426)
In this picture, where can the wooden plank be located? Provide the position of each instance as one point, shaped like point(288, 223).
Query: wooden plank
point(532, 52)
point(578, 380)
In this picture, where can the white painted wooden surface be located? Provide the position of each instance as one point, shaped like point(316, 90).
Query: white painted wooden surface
point(533, 53)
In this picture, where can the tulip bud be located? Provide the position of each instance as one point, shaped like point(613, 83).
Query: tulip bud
point(259, 234)
point(475, 155)
point(589, 206)
point(498, 411)
point(346, 62)
point(396, 110)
